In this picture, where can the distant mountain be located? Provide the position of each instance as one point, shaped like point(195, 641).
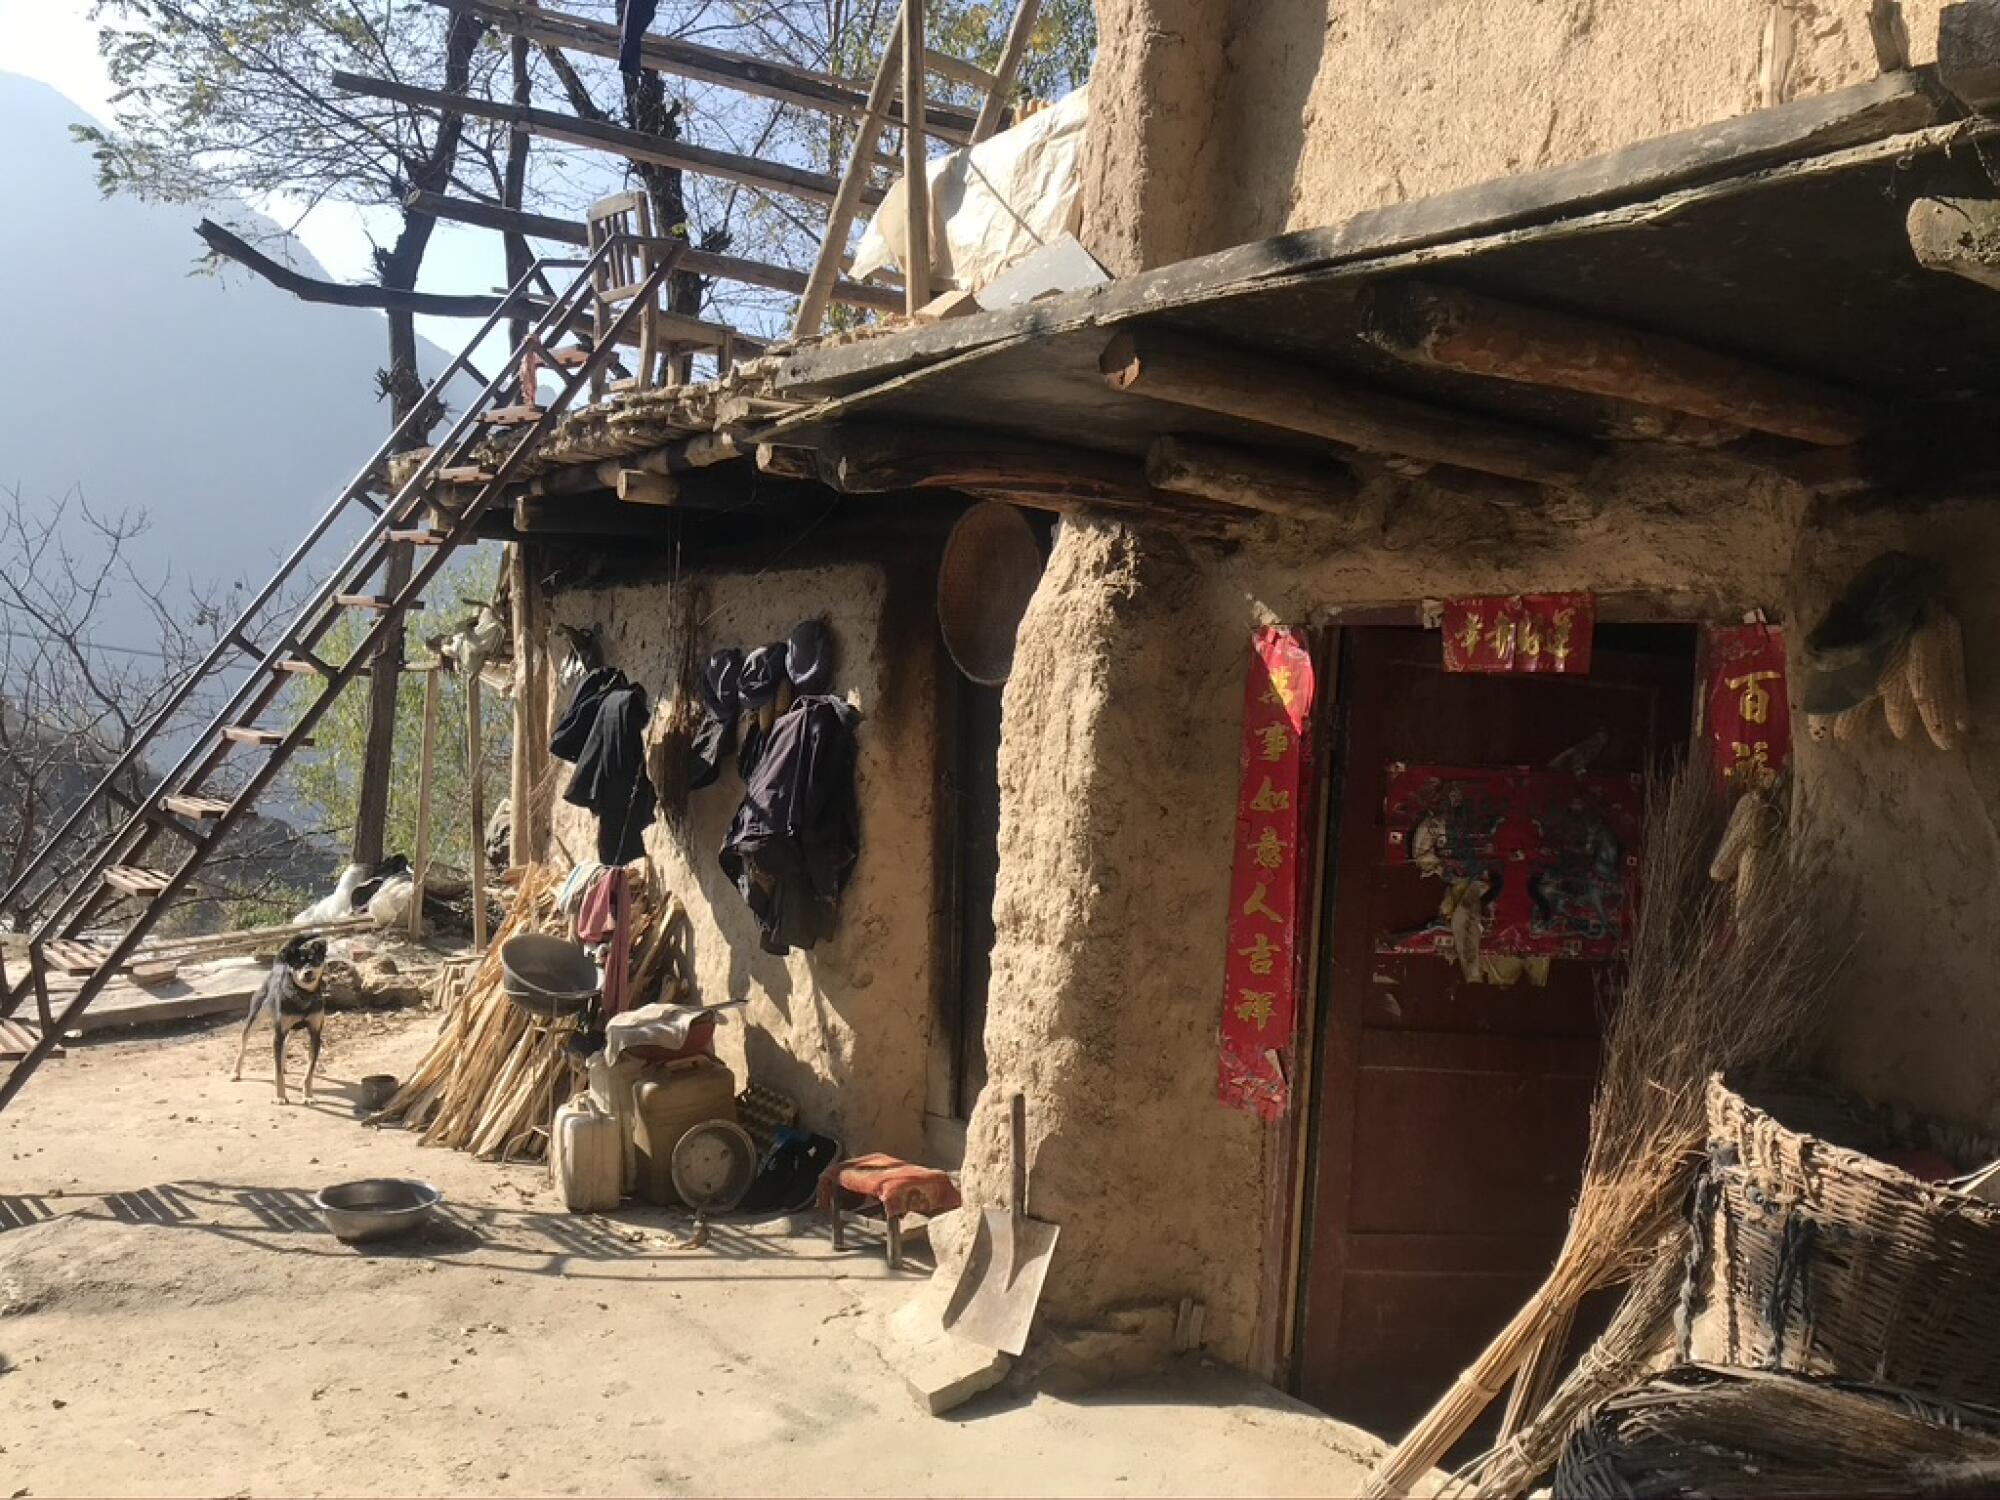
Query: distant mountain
point(226, 409)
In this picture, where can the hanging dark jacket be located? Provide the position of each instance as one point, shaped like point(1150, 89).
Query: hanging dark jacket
point(634, 16)
point(796, 836)
point(604, 732)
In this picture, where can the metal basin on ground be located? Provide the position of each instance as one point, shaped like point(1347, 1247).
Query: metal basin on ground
point(376, 1208)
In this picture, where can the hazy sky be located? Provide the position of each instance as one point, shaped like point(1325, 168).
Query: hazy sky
point(53, 41)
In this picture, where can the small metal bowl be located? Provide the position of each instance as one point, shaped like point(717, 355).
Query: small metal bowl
point(376, 1208)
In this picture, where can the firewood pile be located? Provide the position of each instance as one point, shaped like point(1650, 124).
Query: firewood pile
point(491, 1082)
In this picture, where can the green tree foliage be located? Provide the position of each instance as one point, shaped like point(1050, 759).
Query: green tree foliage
point(326, 779)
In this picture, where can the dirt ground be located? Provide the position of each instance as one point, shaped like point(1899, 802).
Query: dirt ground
point(174, 1321)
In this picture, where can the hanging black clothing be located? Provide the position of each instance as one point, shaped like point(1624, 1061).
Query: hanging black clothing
point(762, 679)
point(634, 16)
point(715, 736)
point(794, 840)
point(604, 732)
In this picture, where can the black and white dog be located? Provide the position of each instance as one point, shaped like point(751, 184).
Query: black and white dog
point(292, 995)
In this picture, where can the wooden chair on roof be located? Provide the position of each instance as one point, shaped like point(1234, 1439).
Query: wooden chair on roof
point(623, 271)
point(666, 337)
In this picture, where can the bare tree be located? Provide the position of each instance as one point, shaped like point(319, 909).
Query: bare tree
point(92, 647)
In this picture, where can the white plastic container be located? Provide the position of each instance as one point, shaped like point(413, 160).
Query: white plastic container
point(587, 1156)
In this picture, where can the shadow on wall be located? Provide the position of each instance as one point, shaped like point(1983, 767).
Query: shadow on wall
point(1281, 52)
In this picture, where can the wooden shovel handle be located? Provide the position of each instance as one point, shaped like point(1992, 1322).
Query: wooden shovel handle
point(1018, 1125)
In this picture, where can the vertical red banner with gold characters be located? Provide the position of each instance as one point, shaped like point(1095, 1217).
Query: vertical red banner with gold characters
point(1746, 707)
point(1271, 882)
point(1519, 633)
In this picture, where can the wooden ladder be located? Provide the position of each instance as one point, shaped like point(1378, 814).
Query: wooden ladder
point(901, 78)
point(80, 891)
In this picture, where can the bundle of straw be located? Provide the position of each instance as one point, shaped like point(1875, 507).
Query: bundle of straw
point(1706, 987)
point(491, 1082)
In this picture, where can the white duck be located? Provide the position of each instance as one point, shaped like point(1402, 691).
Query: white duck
point(340, 904)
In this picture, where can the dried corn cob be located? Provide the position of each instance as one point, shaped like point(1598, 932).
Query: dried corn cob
point(1737, 836)
point(1899, 703)
point(1851, 726)
point(1937, 678)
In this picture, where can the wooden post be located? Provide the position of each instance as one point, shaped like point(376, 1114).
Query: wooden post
point(475, 769)
point(916, 174)
point(531, 715)
point(378, 753)
point(1019, 32)
point(847, 198)
point(420, 874)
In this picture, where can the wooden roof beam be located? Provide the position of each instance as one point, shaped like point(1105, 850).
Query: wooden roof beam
point(1276, 392)
point(862, 459)
point(1444, 328)
point(701, 262)
point(1958, 236)
point(1279, 483)
point(634, 145)
point(784, 82)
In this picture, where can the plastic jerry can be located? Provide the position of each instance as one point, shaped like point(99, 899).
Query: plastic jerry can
point(669, 1103)
point(587, 1156)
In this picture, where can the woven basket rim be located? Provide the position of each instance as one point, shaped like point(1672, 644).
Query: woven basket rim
point(1761, 1093)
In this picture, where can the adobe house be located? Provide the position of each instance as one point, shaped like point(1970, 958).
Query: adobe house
point(1326, 395)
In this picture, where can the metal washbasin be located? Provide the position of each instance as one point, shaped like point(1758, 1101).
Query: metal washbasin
point(376, 1208)
point(548, 976)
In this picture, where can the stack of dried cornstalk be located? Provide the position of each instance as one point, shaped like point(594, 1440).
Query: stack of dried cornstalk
point(491, 1082)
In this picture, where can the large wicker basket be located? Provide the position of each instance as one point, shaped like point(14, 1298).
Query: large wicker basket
point(1717, 1433)
point(1812, 1255)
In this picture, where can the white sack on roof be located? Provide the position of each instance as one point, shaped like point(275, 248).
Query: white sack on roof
point(993, 203)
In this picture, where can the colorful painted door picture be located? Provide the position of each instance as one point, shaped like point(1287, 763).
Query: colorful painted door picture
point(1532, 865)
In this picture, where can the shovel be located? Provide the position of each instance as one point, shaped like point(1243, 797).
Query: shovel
point(1001, 1283)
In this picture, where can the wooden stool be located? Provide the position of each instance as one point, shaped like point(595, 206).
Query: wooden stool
point(901, 1187)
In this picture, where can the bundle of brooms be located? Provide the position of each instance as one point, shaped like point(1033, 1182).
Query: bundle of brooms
point(491, 1082)
point(1708, 985)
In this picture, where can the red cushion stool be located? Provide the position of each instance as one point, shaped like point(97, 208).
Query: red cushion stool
point(901, 1187)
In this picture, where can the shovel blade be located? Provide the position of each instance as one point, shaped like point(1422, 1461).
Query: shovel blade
point(1001, 1285)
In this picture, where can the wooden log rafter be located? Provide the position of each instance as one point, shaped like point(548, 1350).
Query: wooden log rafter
point(1277, 483)
point(1447, 328)
point(1275, 392)
point(1957, 236)
point(859, 459)
point(633, 145)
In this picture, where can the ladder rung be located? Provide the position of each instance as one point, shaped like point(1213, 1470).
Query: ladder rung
point(515, 416)
point(251, 734)
point(190, 805)
point(421, 537)
point(464, 474)
point(134, 880)
point(372, 601)
point(311, 666)
point(18, 1039)
point(570, 356)
point(70, 956)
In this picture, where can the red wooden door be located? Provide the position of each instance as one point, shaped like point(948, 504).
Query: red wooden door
point(1452, 1116)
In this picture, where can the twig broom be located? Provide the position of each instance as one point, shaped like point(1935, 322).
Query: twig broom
point(1705, 988)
